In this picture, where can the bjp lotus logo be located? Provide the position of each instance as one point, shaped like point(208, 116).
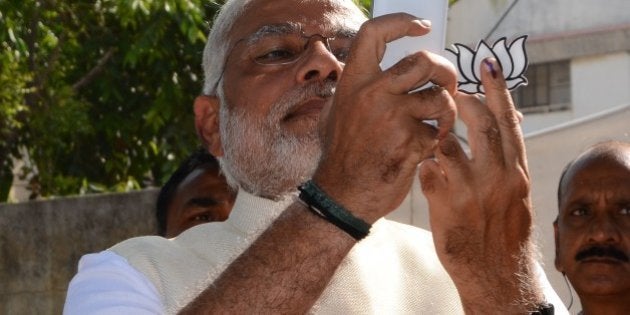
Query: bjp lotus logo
point(512, 58)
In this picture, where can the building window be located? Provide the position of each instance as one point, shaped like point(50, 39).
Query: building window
point(549, 88)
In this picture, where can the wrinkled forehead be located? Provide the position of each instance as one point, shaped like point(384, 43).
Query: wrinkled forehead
point(592, 163)
point(310, 16)
point(591, 173)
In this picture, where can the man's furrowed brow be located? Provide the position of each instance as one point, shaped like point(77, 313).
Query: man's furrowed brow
point(202, 202)
point(273, 29)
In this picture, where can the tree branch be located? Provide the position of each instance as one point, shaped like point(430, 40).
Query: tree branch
point(94, 72)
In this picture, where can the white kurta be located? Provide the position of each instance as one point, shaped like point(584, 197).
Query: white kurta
point(395, 270)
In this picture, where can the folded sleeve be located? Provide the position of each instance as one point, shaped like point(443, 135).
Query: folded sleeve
point(106, 284)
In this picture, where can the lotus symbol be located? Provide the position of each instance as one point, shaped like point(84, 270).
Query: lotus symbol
point(513, 61)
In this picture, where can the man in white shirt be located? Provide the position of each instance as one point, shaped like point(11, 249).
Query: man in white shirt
point(294, 96)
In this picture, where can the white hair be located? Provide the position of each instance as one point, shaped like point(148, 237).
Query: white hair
point(216, 49)
point(217, 46)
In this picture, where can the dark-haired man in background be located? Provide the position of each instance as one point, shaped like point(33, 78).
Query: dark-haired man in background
point(196, 193)
point(592, 231)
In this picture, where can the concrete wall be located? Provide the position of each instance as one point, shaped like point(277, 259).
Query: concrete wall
point(42, 241)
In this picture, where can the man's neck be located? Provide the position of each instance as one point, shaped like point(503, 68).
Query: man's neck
point(609, 305)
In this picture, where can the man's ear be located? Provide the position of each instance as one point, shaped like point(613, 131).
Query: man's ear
point(556, 239)
point(206, 110)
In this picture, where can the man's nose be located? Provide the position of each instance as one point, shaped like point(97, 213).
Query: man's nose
point(318, 63)
point(604, 229)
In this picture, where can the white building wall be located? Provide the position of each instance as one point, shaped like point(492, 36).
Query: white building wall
point(593, 34)
point(600, 82)
point(539, 121)
point(470, 20)
point(559, 16)
point(597, 83)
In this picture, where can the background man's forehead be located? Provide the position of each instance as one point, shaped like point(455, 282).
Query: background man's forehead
point(590, 189)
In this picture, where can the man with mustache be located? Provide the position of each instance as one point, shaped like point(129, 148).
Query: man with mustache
point(592, 231)
point(294, 97)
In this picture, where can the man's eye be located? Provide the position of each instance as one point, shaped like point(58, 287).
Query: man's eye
point(578, 212)
point(342, 54)
point(625, 210)
point(276, 56)
point(341, 48)
point(203, 218)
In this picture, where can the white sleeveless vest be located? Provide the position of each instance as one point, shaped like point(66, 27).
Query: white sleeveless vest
point(395, 270)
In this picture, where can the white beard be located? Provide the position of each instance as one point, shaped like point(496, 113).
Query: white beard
point(261, 157)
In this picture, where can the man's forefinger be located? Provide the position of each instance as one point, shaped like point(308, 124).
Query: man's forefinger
point(369, 46)
point(500, 104)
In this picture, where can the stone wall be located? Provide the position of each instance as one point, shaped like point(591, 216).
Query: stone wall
point(42, 241)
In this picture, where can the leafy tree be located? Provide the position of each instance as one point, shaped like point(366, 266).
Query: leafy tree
point(96, 95)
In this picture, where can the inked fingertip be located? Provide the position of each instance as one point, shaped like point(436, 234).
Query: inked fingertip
point(493, 74)
point(491, 66)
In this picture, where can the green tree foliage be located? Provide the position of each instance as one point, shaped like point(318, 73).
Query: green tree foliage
point(98, 94)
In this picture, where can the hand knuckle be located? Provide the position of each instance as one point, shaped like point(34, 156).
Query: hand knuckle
point(367, 30)
point(423, 54)
point(404, 65)
point(510, 119)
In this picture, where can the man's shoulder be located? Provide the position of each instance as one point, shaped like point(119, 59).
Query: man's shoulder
point(140, 244)
point(186, 263)
point(189, 242)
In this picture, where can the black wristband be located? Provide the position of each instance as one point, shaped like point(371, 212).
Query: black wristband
point(544, 309)
point(318, 202)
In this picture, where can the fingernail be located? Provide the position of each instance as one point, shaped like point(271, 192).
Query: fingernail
point(491, 66)
point(425, 23)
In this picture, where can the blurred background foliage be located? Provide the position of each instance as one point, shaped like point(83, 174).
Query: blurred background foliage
point(96, 96)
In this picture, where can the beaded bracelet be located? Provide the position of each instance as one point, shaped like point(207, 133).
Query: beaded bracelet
point(318, 202)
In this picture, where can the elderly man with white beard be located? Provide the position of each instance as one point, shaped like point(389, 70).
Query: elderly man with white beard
point(294, 97)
